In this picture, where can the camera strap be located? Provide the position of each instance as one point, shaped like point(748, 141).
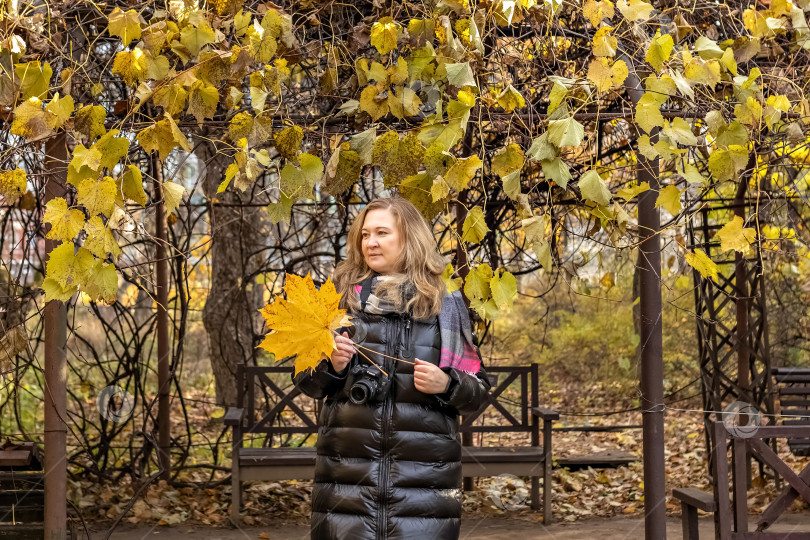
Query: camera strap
point(365, 292)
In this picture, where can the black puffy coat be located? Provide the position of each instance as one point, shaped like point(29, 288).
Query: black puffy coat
point(392, 469)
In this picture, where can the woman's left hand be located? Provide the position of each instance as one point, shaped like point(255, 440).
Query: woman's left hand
point(429, 378)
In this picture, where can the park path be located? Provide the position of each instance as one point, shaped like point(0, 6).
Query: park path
point(491, 528)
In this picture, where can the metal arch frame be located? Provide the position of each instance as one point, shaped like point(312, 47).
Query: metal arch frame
point(718, 343)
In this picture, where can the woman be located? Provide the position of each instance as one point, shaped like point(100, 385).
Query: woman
point(388, 450)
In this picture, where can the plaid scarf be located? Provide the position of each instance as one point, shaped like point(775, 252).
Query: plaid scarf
point(455, 328)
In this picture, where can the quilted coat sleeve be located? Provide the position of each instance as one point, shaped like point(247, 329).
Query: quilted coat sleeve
point(323, 382)
point(467, 392)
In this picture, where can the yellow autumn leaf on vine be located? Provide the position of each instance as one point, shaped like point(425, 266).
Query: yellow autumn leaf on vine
point(13, 184)
point(195, 37)
point(89, 121)
point(660, 50)
point(635, 10)
point(131, 65)
point(384, 35)
point(702, 263)
point(510, 99)
point(475, 227)
point(61, 108)
point(462, 172)
point(172, 195)
point(288, 141)
point(669, 198)
point(171, 97)
point(373, 102)
point(304, 324)
point(163, 136)
point(733, 236)
point(597, 11)
point(100, 239)
point(97, 196)
point(604, 44)
point(605, 75)
point(202, 101)
point(34, 78)
point(452, 284)
point(125, 24)
point(31, 121)
point(507, 160)
point(65, 223)
point(101, 284)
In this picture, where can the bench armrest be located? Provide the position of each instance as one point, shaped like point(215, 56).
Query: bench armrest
point(696, 497)
point(233, 416)
point(545, 414)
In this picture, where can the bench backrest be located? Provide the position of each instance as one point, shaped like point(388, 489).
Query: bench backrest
point(793, 390)
point(515, 390)
point(285, 410)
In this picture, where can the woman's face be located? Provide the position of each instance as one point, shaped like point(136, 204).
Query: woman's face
point(380, 241)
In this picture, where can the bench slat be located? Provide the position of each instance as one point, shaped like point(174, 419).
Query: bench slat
point(698, 498)
point(796, 412)
point(306, 455)
point(545, 414)
point(512, 454)
point(597, 460)
point(793, 378)
point(795, 403)
point(794, 391)
point(281, 457)
point(233, 416)
point(780, 371)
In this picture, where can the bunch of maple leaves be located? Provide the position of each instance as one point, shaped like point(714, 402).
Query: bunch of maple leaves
point(304, 324)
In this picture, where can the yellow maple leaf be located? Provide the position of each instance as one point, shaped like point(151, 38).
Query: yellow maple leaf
point(304, 324)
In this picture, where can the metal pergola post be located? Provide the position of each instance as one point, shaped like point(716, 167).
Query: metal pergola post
point(55, 395)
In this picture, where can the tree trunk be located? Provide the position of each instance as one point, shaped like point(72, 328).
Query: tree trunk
point(230, 316)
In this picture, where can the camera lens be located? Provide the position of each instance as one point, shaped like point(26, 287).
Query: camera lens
point(361, 392)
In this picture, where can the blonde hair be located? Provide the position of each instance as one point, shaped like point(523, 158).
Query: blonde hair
point(419, 266)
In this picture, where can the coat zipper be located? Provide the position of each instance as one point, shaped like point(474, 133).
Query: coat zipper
point(382, 527)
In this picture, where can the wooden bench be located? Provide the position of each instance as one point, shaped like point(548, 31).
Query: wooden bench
point(288, 426)
point(692, 500)
point(731, 512)
point(793, 391)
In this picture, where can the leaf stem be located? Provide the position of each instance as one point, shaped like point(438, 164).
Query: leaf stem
point(357, 348)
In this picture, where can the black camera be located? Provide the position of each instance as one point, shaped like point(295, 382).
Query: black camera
point(368, 384)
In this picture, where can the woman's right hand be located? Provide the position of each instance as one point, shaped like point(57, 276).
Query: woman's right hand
point(344, 352)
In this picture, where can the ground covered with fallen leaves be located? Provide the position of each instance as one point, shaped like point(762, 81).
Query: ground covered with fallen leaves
point(576, 494)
